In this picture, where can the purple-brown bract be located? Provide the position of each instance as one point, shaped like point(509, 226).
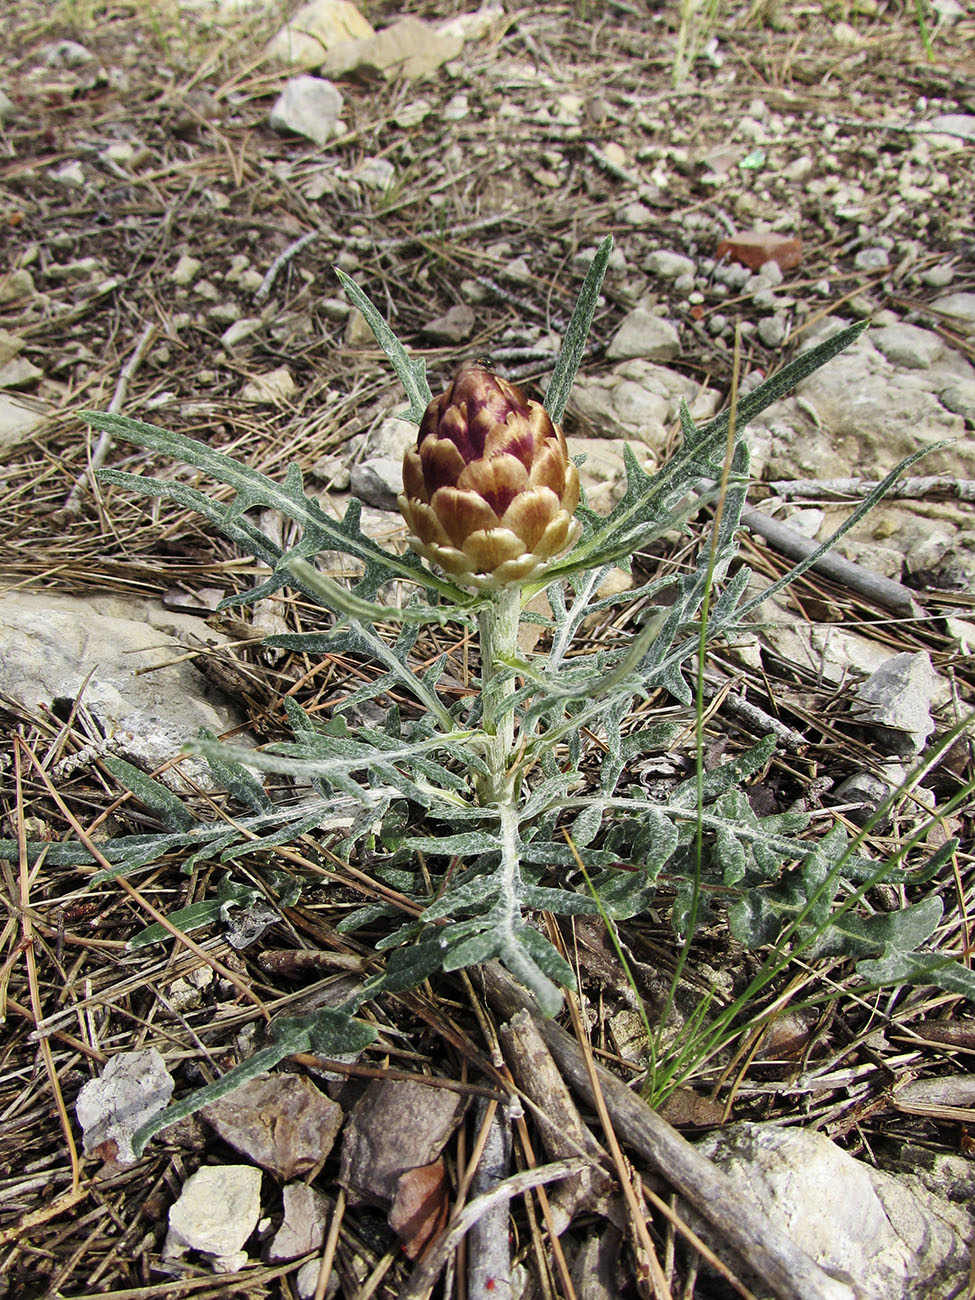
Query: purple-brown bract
point(489, 491)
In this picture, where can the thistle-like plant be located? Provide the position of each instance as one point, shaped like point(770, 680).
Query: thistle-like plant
point(518, 798)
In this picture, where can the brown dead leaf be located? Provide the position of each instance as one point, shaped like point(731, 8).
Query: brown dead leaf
point(685, 1108)
point(420, 1208)
point(280, 1121)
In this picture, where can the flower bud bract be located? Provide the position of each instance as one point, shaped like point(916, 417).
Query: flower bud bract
point(489, 490)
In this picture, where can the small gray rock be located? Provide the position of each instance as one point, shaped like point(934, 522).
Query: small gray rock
point(376, 174)
point(216, 1212)
point(733, 274)
point(132, 1088)
point(908, 345)
point(334, 309)
point(19, 373)
point(391, 440)
point(644, 335)
point(7, 108)
point(519, 271)
point(669, 265)
point(899, 697)
point(18, 419)
point(636, 214)
point(960, 307)
point(456, 108)
point(771, 273)
point(871, 259)
point(938, 277)
point(308, 106)
point(961, 125)
point(185, 271)
point(303, 1229)
point(863, 790)
point(65, 54)
point(456, 325)
point(960, 398)
point(378, 482)
point(773, 330)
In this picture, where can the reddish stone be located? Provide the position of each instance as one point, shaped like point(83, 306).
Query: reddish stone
point(754, 249)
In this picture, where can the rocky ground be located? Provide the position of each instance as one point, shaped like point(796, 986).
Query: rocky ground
point(177, 185)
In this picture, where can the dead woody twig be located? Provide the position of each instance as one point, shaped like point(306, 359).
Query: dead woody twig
point(72, 503)
point(931, 485)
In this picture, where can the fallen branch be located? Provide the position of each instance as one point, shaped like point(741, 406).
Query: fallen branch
point(946, 485)
point(72, 503)
point(786, 1270)
point(282, 260)
point(882, 591)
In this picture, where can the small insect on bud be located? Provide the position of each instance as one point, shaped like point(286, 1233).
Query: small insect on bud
point(489, 490)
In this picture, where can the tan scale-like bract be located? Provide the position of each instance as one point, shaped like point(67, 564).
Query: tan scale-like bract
point(489, 491)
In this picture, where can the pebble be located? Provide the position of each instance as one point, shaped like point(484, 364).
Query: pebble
point(771, 272)
point(138, 687)
point(636, 214)
point(734, 274)
point(938, 277)
point(240, 330)
point(376, 173)
point(65, 54)
point(518, 270)
point(216, 1212)
point(644, 335)
point(455, 326)
point(899, 696)
point(413, 114)
point(308, 106)
point(132, 1087)
point(317, 27)
point(306, 1213)
point(800, 169)
point(871, 259)
point(670, 266)
point(185, 270)
point(960, 307)
point(908, 345)
point(273, 388)
point(357, 331)
point(17, 284)
point(19, 373)
point(10, 346)
point(773, 330)
point(122, 152)
point(224, 313)
point(77, 272)
point(960, 398)
point(897, 1239)
point(456, 108)
point(334, 309)
point(72, 174)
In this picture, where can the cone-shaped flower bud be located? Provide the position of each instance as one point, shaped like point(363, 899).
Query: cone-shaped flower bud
point(489, 491)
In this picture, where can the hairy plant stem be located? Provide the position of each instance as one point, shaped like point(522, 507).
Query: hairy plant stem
point(498, 624)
